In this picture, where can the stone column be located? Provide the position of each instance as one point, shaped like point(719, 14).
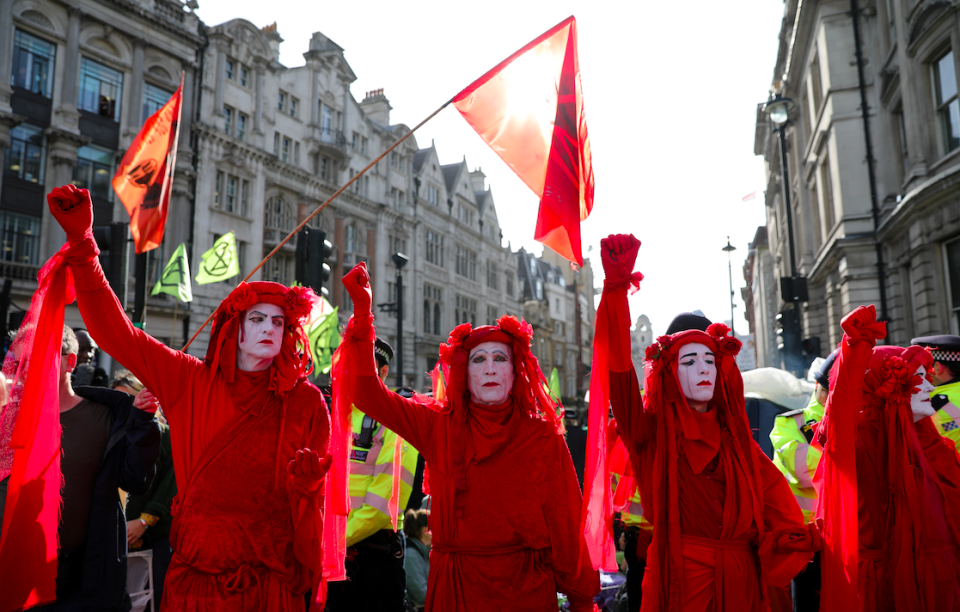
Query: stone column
point(221, 70)
point(61, 159)
point(258, 112)
point(135, 100)
point(6, 52)
point(67, 114)
point(314, 99)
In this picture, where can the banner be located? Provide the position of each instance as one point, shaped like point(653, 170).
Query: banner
point(175, 279)
point(221, 262)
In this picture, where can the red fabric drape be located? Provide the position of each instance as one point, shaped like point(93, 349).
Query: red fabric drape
point(836, 477)
point(28, 548)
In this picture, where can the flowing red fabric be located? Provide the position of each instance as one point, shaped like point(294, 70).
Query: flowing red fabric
point(836, 477)
point(144, 178)
point(28, 548)
point(596, 518)
point(529, 109)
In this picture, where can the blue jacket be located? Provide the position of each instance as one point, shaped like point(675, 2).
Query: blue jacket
point(128, 464)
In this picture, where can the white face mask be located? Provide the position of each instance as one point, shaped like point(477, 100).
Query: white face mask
point(261, 332)
point(490, 373)
point(697, 373)
point(920, 401)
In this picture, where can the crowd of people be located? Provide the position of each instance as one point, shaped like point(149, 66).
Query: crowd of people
point(252, 489)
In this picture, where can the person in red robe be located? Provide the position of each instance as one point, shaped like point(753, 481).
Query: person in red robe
point(725, 523)
point(248, 434)
point(505, 497)
point(907, 477)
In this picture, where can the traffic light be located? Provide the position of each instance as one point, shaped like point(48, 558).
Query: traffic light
point(312, 270)
point(114, 256)
point(788, 341)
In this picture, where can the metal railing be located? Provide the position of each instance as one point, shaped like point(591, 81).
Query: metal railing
point(18, 271)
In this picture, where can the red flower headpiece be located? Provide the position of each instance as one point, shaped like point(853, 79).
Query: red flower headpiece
point(892, 375)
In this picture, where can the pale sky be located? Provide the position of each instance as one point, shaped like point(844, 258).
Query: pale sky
point(670, 93)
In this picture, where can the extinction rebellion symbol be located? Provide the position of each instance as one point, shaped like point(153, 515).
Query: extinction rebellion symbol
point(219, 263)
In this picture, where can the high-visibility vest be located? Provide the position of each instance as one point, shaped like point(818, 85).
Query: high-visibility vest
point(371, 481)
point(796, 458)
point(947, 418)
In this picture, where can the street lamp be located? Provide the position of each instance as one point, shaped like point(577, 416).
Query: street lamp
point(778, 109)
point(729, 249)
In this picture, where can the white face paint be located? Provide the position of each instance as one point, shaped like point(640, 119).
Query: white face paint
point(697, 374)
point(920, 401)
point(490, 373)
point(260, 338)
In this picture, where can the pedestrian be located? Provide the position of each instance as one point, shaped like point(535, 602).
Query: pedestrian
point(506, 504)
point(88, 373)
point(945, 375)
point(796, 455)
point(375, 579)
point(904, 546)
point(724, 522)
point(416, 561)
point(245, 534)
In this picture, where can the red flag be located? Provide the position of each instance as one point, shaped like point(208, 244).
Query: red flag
point(28, 543)
point(529, 109)
point(144, 178)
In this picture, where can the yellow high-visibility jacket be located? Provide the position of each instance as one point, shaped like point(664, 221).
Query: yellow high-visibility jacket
point(794, 456)
point(947, 418)
point(632, 513)
point(371, 481)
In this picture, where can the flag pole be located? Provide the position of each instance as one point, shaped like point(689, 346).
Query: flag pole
point(320, 208)
point(173, 330)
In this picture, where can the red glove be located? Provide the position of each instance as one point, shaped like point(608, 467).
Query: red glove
point(357, 284)
point(861, 324)
point(618, 252)
point(146, 401)
point(72, 209)
point(307, 469)
point(800, 539)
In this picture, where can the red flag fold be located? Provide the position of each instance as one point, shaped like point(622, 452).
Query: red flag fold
point(529, 109)
point(144, 178)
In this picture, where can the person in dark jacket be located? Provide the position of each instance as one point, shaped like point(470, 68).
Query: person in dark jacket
point(148, 515)
point(416, 562)
point(107, 443)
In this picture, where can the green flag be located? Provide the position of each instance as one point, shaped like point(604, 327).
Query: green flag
point(555, 385)
point(175, 279)
point(220, 262)
point(324, 337)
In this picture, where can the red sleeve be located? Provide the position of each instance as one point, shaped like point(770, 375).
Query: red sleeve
point(780, 511)
point(306, 506)
point(560, 497)
point(163, 370)
point(635, 425)
point(942, 455)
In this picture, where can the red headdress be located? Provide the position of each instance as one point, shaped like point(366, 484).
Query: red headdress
point(293, 362)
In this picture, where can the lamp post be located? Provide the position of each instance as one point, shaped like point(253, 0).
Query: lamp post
point(729, 249)
point(778, 109)
point(400, 260)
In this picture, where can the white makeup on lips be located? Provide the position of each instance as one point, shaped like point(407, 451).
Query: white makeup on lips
point(920, 403)
point(490, 373)
point(261, 334)
point(697, 374)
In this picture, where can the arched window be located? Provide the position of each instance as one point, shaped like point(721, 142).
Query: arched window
point(278, 220)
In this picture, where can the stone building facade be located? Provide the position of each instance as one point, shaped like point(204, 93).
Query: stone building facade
point(911, 54)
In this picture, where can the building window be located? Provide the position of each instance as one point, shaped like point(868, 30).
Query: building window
point(948, 107)
point(285, 153)
point(826, 185)
point(281, 101)
point(100, 89)
point(276, 143)
point(432, 299)
point(539, 285)
point(363, 145)
point(558, 354)
point(241, 126)
point(94, 171)
point(392, 296)
point(466, 263)
point(325, 168)
point(218, 189)
point(296, 153)
point(230, 198)
point(244, 197)
point(951, 253)
point(466, 311)
point(510, 284)
point(278, 220)
point(435, 248)
point(326, 123)
point(465, 215)
point(294, 106)
point(231, 69)
point(24, 157)
point(891, 22)
point(397, 245)
point(228, 120)
point(902, 133)
point(21, 238)
point(815, 215)
point(153, 100)
point(433, 195)
point(353, 246)
point(244, 76)
point(366, 186)
point(396, 161)
point(280, 269)
point(493, 276)
point(355, 143)
point(558, 328)
point(491, 315)
point(33, 61)
point(398, 198)
point(817, 83)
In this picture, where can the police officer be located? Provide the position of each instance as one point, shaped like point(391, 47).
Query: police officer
point(375, 577)
point(797, 457)
point(945, 375)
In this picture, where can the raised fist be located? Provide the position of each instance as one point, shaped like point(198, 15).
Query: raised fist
point(357, 284)
point(862, 324)
point(307, 468)
point(72, 209)
point(618, 252)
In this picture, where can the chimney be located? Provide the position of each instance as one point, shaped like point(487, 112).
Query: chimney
point(477, 180)
point(376, 107)
point(275, 39)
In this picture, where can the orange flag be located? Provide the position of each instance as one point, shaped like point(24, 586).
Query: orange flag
point(144, 178)
point(529, 109)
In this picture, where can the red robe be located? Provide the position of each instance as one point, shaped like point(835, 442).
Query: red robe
point(244, 537)
point(517, 542)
